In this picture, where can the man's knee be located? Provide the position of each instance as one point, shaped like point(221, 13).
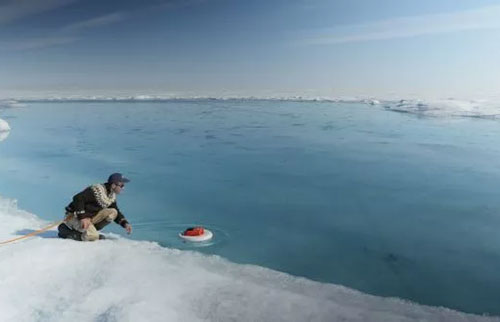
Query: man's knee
point(107, 214)
point(111, 214)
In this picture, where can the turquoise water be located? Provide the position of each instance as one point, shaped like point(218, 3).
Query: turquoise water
point(388, 203)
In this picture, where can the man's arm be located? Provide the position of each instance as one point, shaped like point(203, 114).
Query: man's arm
point(120, 218)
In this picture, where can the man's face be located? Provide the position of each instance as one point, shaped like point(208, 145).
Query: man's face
point(117, 187)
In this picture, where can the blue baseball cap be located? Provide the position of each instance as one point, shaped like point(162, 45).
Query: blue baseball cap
point(117, 177)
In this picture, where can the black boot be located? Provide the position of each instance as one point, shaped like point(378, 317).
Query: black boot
point(101, 225)
point(68, 233)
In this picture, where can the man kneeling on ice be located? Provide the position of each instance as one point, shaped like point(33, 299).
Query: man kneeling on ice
point(94, 208)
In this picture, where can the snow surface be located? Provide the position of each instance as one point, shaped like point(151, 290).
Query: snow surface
point(448, 107)
point(49, 279)
point(4, 130)
point(4, 126)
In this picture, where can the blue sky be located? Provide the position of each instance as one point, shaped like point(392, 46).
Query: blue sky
point(216, 47)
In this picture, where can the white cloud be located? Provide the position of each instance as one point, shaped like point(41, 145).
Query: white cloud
point(94, 22)
point(403, 27)
point(64, 35)
point(69, 33)
point(34, 43)
point(18, 9)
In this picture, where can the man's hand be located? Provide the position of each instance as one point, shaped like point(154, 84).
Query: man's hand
point(128, 228)
point(85, 223)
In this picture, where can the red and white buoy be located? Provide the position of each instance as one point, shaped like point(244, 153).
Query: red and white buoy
point(196, 234)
